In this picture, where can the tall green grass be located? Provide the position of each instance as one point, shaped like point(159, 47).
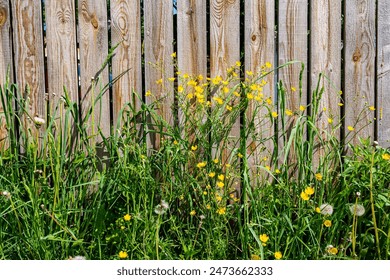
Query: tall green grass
point(196, 196)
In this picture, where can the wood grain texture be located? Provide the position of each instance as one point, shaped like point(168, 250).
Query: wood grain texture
point(383, 73)
point(61, 50)
point(126, 30)
point(191, 37)
point(5, 61)
point(224, 45)
point(259, 49)
point(158, 42)
point(293, 45)
point(93, 52)
point(325, 58)
point(29, 59)
point(359, 68)
point(6, 41)
point(191, 50)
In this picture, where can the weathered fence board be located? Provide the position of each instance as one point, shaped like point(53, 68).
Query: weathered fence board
point(383, 73)
point(259, 49)
point(224, 39)
point(29, 59)
point(93, 45)
point(359, 69)
point(126, 30)
point(5, 60)
point(61, 50)
point(158, 61)
point(293, 45)
point(325, 57)
point(191, 37)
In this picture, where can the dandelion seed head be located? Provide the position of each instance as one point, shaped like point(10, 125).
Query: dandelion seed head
point(357, 209)
point(326, 209)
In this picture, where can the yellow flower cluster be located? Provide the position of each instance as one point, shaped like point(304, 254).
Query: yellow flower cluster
point(305, 195)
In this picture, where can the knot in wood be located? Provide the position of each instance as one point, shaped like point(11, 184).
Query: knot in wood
point(356, 56)
point(3, 16)
point(253, 37)
point(94, 23)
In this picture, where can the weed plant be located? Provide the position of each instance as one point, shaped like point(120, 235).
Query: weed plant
point(200, 194)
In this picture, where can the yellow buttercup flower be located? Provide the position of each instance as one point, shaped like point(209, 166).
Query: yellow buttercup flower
point(221, 177)
point(127, 217)
point(193, 213)
point(318, 210)
point(372, 108)
point(309, 190)
point(171, 79)
point(289, 112)
point(148, 93)
point(330, 120)
point(180, 89)
point(278, 255)
point(255, 257)
point(220, 184)
point(302, 108)
point(218, 100)
point(293, 89)
point(274, 114)
point(268, 64)
point(238, 63)
point(386, 156)
point(123, 255)
point(263, 237)
point(351, 128)
point(211, 174)
point(159, 82)
point(305, 196)
point(201, 164)
point(173, 55)
point(249, 73)
point(318, 176)
point(194, 148)
point(328, 223)
point(221, 211)
point(229, 108)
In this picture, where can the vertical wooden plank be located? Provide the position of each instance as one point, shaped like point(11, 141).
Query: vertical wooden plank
point(191, 48)
point(383, 73)
point(158, 62)
point(259, 49)
point(29, 59)
point(126, 30)
point(93, 52)
point(191, 37)
point(359, 68)
point(224, 52)
point(293, 28)
point(61, 50)
point(325, 58)
point(5, 61)
point(293, 45)
point(6, 41)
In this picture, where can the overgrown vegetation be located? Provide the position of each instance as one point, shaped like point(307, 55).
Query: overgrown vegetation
point(199, 195)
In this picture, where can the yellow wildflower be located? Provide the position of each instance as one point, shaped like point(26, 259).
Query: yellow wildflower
point(180, 89)
point(229, 108)
point(386, 156)
point(255, 257)
point(221, 211)
point(208, 206)
point(192, 83)
point(289, 112)
point(268, 64)
point(351, 128)
point(227, 165)
point(372, 108)
point(171, 79)
point(218, 100)
point(318, 210)
point(239, 155)
point(215, 160)
point(201, 164)
point(194, 148)
point(148, 93)
point(277, 171)
point(193, 213)
point(159, 82)
point(249, 96)
point(236, 93)
point(318, 176)
point(269, 101)
point(340, 104)
point(127, 217)
point(175, 142)
point(330, 120)
point(333, 251)
point(238, 63)
point(220, 184)
point(264, 237)
point(186, 76)
point(190, 96)
point(249, 73)
point(309, 190)
point(274, 114)
point(221, 177)
point(173, 55)
point(293, 89)
point(302, 108)
point(211, 174)
point(123, 255)
point(278, 255)
point(328, 223)
point(304, 196)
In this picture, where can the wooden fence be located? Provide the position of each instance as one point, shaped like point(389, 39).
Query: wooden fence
point(55, 43)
